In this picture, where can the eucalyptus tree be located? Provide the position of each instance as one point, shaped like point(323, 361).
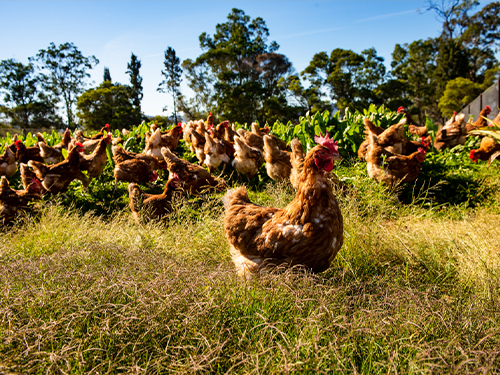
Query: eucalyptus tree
point(27, 104)
point(230, 58)
point(350, 78)
point(65, 73)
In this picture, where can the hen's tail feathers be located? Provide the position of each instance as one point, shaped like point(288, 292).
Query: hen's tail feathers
point(45, 149)
point(168, 155)
point(39, 168)
point(238, 195)
point(4, 184)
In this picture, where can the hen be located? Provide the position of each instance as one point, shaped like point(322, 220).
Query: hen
point(52, 155)
point(193, 178)
point(219, 130)
point(28, 177)
point(391, 168)
point(281, 144)
point(96, 162)
point(8, 166)
point(198, 141)
point(25, 154)
point(452, 133)
point(89, 145)
point(247, 160)
point(146, 207)
point(297, 161)
point(481, 122)
point(57, 177)
point(120, 155)
point(186, 135)
point(278, 163)
point(82, 138)
point(215, 153)
point(487, 148)
point(12, 201)
point(222, 132)
point(159, 139)
point(252, 138)
point(413, 127)
point(134, 170)
point(496, 120)
point(308, 232)
point(391, 138)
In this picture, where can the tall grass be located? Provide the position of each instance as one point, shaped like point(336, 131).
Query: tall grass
point(413, 290)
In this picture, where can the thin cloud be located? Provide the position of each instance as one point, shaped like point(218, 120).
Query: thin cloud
point(387, 15)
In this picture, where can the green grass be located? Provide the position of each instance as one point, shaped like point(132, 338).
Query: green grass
point(415, 288)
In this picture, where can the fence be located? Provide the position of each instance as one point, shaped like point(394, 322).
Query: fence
point(491, 97)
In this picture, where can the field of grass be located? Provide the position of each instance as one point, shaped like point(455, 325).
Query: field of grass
point(415, 288)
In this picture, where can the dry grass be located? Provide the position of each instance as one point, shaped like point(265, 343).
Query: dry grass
point(411, 292)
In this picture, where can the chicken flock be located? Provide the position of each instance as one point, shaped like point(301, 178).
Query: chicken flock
point(307, 232)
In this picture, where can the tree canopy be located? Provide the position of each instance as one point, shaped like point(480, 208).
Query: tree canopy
point(241, 76)
point(65, 71)
point(107, 104)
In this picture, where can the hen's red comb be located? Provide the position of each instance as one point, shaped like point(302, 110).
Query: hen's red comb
point(327, 142)
point(78, 144)
point(18, 142)
point(401, 109)
point(488, 108)
point(106, 126)
point(472, 156)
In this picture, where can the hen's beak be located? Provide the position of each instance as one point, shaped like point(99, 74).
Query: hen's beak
point(336, 157)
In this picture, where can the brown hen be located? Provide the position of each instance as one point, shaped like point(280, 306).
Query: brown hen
point(193, 178)
point(308, 232)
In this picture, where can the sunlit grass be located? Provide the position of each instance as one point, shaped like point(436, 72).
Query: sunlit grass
point(415, 289)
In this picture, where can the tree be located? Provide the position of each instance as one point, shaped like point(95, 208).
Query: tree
point(414, 64)
point(201, 81)
point(30, 107)
point(468, 42)
point(453, 14)
point(481, 37)
point(107, 74)
point(305, 100)
point(465, 49)
point(351, 78)
point(368, 78)
point(230, 59)
point(459, 92)
point(173, 78)
point(107, 104)
point(20, 88)
point(136, 82)
point(66, 76)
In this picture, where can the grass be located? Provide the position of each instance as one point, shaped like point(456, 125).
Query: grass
point(415, 288)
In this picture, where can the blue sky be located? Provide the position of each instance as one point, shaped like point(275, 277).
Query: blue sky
point(111, 30)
